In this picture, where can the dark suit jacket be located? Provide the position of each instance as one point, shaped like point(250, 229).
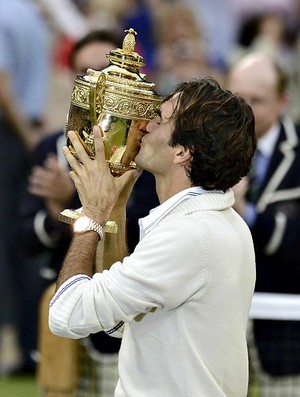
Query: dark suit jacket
point(38, 231)
point(276, 236)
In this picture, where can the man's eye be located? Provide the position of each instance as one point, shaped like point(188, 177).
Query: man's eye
point(157, 120)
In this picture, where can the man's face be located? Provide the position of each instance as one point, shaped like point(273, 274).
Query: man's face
point(156, 155)
point(256, 83)
point(92, 56)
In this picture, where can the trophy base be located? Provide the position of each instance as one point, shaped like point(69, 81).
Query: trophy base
point(70, 216)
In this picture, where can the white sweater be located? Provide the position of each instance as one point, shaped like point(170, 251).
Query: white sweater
point(184, 296)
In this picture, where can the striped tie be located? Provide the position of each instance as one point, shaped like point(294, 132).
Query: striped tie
point(255, 177)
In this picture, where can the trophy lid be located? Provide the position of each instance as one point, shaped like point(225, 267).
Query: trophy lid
point(119, 89)
point(126, 57)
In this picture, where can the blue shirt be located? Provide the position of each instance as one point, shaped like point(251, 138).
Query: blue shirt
point(265, 148)
point(24, 54)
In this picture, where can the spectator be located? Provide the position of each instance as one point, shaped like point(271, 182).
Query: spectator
point(269, 201)
point(267, 33)
point(180, 50)
point(139, 16)
point(50, 191)
point(24, 72)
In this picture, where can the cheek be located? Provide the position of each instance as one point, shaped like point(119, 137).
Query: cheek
point(151, 125)
point(260, 113)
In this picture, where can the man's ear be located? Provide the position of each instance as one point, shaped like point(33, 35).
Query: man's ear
point(182, 155)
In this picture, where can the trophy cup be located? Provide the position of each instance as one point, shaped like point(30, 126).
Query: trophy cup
point(111, 98)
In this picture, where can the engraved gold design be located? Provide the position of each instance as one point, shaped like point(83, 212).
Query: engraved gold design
point(118, 96)
point(80, 93)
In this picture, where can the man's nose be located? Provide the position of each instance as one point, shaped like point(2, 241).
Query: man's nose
point(149, 125)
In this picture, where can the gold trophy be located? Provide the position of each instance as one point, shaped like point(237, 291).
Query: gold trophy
point(112, 98)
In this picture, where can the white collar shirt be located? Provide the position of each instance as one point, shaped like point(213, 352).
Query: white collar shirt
point(156, 214)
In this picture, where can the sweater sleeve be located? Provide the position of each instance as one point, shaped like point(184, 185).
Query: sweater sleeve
point(158, 275)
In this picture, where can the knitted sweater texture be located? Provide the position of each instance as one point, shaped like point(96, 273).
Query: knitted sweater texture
point(180, 301)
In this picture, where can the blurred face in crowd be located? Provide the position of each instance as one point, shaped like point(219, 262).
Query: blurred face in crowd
point(256, 80)
point(93, 56)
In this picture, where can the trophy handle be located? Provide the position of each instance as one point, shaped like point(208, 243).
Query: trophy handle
point(92, 96)
point(96, 91)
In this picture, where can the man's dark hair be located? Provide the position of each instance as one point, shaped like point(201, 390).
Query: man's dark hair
point(102, 36)
point(217, 127)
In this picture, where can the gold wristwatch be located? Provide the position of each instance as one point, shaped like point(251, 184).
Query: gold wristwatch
point(84, 224)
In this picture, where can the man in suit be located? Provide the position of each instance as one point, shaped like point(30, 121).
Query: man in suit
point(270, 204)
point(51, 190)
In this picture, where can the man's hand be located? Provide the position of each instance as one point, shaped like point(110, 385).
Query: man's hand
point(52, 183)
point(98, 190)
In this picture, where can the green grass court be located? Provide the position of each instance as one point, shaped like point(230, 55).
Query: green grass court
point(19, 386)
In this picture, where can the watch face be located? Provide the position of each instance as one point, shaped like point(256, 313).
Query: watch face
point(81, 224)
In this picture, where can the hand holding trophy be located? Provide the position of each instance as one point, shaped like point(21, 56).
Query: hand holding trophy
point(118, 99)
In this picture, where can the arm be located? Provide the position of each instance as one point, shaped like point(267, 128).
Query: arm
point(14, 115)
point(142, 282)
point(115, 244)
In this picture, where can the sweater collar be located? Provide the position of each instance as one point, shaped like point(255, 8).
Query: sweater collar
point(157, 214)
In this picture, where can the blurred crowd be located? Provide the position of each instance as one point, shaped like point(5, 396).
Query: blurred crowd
point(179, 40)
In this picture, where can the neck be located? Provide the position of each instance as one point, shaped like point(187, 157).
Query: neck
point(168, 188)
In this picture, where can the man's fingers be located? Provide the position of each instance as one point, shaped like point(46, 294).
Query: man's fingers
point(77, 145)
point(74, 164)
point(98, 130)
point(99, 145)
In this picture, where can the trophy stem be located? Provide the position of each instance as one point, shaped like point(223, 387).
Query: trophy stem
point(69, 216)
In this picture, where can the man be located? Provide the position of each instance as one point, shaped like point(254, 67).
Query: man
point(270, 204)
point(181, 299)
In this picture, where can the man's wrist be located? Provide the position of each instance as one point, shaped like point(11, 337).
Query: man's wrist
point(84, 224)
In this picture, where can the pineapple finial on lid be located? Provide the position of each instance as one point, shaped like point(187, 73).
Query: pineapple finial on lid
point(126, 57)
point(129, 40)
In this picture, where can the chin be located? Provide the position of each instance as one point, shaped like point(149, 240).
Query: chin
point(140, 163)
point(137, 159)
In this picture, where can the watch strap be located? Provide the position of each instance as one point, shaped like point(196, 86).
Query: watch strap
point(89, 225)
point(96, 227)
